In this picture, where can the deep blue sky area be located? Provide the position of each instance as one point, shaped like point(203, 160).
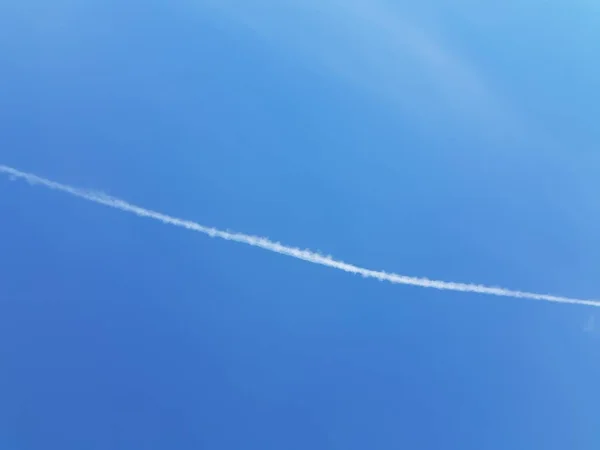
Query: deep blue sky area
point(458, 142)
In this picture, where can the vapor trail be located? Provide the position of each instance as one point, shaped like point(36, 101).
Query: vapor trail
point(276, 247)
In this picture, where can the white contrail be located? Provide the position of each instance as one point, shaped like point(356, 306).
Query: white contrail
point(276, 247)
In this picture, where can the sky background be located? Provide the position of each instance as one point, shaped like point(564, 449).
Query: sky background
point(454, 141)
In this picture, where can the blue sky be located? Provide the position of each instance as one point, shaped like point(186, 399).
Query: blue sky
point(457, 142)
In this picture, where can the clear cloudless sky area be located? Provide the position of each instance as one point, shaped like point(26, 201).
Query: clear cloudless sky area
point(457, 141)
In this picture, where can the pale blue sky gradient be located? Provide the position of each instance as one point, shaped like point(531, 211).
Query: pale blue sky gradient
point(454, 142)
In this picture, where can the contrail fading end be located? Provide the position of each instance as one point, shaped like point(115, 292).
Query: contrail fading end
point(266, 244)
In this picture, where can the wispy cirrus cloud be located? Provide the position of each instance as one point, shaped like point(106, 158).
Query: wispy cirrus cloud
point(590, 326)
point(382, 48)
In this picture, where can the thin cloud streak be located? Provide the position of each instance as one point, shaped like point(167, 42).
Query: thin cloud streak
point(266, 244)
